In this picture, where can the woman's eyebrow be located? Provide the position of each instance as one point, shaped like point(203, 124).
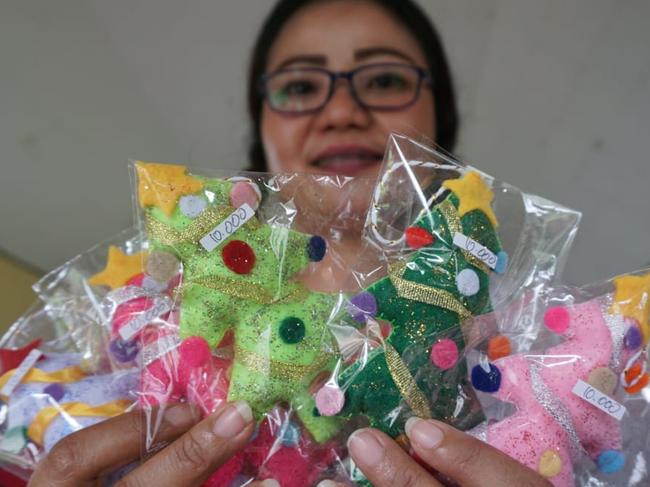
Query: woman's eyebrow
point(365, 53)
point(316, 59)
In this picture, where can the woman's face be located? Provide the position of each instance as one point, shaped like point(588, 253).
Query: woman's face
point(342, 138)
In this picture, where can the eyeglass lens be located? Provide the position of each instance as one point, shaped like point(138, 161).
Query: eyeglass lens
point(376, 86)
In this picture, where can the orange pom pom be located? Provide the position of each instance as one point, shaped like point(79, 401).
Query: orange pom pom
point(499, 347)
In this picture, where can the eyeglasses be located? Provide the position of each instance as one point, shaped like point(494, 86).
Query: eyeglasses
point(385, 86)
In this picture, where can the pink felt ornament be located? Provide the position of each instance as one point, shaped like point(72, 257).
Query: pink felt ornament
point(552, 426)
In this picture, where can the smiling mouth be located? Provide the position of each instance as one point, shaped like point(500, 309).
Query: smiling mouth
point(348, 163)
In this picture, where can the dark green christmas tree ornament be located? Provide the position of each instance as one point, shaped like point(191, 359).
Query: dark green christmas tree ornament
point(418, 369)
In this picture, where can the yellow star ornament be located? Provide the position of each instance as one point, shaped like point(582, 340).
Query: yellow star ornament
point(119, 268)
point(632, 300)
point(162, 184)
point(473, 194)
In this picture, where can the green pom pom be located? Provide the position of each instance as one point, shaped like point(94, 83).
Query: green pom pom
point(292, 330)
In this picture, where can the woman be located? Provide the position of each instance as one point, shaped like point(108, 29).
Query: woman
point(330, 79)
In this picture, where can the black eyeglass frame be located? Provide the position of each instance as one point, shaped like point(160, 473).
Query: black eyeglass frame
point(423, 76)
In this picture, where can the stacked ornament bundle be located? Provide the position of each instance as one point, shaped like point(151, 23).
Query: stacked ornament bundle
point(455, 312)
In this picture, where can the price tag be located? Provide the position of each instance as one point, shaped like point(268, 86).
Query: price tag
point(601, 401)
point(227, 227)
point(482, 253)
point(21, 372)
point(159, 308)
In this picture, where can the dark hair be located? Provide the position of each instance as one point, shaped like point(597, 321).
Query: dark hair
point(405, 11)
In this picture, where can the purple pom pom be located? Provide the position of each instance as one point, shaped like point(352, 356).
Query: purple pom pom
point(362, 306)
point(633, 338)
point(56, 391)
point(123, 351)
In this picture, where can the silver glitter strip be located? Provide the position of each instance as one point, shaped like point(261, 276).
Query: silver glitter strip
point(553, 406)
point(616, 325)
point(124, 294)
point(479, 432)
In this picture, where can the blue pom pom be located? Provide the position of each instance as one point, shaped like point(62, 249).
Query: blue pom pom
point(502, 262)
point(486, 381)
point(316, 248)
point(290, 435)
point(611, 461)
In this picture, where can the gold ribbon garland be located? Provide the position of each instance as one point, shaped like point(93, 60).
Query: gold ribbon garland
point(406, 289)
point(45, 416)
point(406, 384)
point(425, 294)
point(244, 290)
point(69, 374)
point(202, 224)
point(277, 369)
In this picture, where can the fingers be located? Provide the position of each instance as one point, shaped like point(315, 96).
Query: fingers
point(385, 463)
point(192, 458)
point(78, 459)
point(467, 460)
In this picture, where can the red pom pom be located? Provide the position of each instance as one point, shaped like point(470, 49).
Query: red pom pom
point(239, 257)
point(194, 352)
point(557, 320)
point(417, 237)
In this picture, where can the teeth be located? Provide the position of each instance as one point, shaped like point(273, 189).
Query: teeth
point(345, 157)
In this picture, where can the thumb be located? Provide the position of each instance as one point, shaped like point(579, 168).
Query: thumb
point(465, 459)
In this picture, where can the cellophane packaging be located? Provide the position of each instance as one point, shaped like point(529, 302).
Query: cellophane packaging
point(327, 303)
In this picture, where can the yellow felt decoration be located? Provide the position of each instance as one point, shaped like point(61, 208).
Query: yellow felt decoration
point(473, 194)
point(45, 416)
point(632, 300)
point(119, 269)
point(69, 374)
point(162, 185)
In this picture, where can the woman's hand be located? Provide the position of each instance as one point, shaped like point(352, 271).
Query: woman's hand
point(466, 460)
point(195, 451)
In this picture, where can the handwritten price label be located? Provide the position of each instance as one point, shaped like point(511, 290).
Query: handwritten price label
point(227, 227)
point(133, 326)
point(482, 253)
point(601, 401)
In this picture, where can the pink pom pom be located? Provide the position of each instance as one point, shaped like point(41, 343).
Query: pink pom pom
point(557, 319)
point(444, 354)
point(329, 400)
point(244, 192)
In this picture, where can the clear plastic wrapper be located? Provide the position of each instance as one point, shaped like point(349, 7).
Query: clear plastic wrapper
point(48, 392)
point(70, 381)
point(280, 290)
point(563, 382)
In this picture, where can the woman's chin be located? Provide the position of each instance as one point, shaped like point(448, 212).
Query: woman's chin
point(334, 207)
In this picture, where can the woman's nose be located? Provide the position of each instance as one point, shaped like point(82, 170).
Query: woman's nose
point(343, 110)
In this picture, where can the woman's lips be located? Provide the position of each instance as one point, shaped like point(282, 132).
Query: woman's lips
point(347, 161)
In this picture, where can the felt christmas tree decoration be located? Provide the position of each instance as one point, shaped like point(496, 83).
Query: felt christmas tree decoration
point(54, 398)
point(553, 425)
point(238, 276)
point(424, 299)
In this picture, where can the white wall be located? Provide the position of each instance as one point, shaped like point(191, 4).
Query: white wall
point(555, 98)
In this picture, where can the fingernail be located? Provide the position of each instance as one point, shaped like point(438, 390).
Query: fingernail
point(365, 448)
point(424, 433)
point(179, 415)
point(270, 483)
point(232, 419)
point(327, 483)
